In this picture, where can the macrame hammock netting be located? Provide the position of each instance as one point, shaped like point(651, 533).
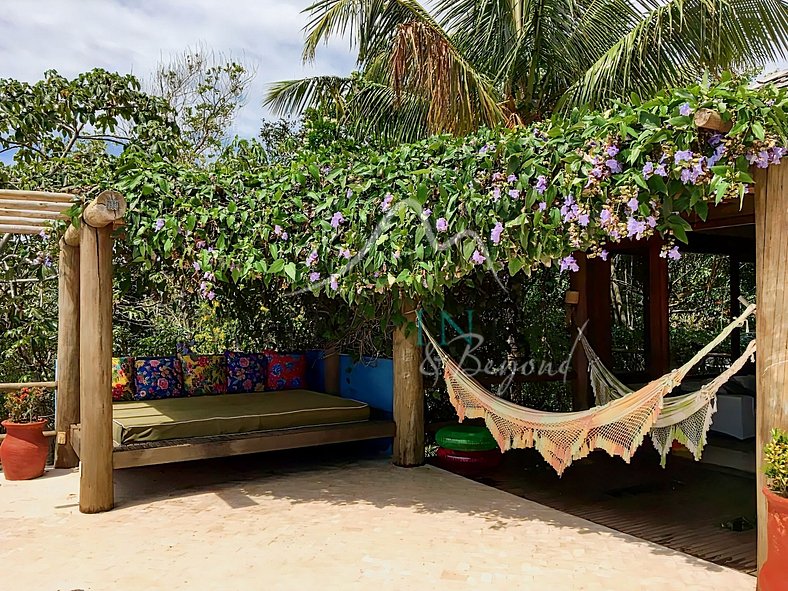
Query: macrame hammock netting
point(617, 426)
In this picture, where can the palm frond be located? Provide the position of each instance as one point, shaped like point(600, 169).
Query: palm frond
point(675, 42)
point(294, 96)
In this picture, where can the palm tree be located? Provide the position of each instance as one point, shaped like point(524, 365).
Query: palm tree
point(467, 63)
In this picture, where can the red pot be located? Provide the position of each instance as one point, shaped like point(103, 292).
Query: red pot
point(468, 463)
point(774, 573)
point(24, 450)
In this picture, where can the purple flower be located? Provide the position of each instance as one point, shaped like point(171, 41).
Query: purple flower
point(427, 212)
point(682, 156)
point(612, 150)
point(497, 176)
point(278, 230)
point(605, 216)
point(685, 110)
point(210, 295)
point(496, 194)
point(285, 235)
point(349, 193)
point(200, 244)
point(514, 193)
point(314, 276)
point(633, 204)
point(311, 259)
point(337, 220)
point(441, 225)
point(325, 170)
point(687, 176)
point(477, 257)
point(597, 172)
point(542, 205)
point(334, 283)
point(159, 224)
point(603, 254)
point(648, 169)
point(651, 221)
point(635, 228)
point(569, 263)
point(661, 171)
point(484, 149)
point(512, 178)
point(43, 234)
point(583, 219)
point(344, 253)
point(386, 203)
point(47, 261)
point(196, 266)
point(614, 165)
point(674, 253)
point(495, 234)
point(715, 139)
point(541, 184)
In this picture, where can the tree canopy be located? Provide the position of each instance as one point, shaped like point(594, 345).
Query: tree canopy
point(455, 65)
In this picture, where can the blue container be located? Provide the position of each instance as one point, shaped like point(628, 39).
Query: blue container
point(369, 380)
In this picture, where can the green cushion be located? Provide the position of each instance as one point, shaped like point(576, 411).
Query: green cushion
point(224, 414)
point(465, 438)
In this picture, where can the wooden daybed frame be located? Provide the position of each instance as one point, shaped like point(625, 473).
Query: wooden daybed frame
point(133, 455)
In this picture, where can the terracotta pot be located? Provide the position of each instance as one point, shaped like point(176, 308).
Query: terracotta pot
point(774, 573)
point(24, 450)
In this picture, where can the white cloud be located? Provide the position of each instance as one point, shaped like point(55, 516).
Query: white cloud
point(133, 36)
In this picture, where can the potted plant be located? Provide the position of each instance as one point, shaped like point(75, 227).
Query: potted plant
point(774, 573)
point(23, 453)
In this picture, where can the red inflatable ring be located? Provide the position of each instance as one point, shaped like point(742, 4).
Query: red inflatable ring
point(468, 462)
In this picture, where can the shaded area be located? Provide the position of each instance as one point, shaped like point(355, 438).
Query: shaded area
point(689, 507)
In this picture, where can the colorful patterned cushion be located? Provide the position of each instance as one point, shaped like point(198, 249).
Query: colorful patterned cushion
point(158, 377)
point(246, 372)
point(204, 374)
point(286, 372)
point(122, 378)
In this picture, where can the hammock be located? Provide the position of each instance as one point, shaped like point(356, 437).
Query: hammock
point(685, 418)
point(618, 427)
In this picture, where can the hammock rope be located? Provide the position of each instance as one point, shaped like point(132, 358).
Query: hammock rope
point(618, 426)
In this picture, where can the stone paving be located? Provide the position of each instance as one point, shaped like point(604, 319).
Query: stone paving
point(362, 524)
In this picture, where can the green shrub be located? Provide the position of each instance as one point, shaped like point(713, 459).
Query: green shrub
point(776, 457)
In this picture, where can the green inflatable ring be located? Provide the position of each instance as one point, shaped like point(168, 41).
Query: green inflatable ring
point(465, 438)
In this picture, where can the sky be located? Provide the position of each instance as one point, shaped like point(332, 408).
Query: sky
point(134, 36)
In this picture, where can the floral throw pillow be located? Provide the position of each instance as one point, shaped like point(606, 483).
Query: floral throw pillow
point(158, 377)
point(204, 374)
point(286, 372)
point(246, 372)
point(122, 379)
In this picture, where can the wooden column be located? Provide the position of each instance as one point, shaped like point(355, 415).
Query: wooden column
point(96, 492)
point(577, 298)
point(331, 372)
point(771, 264)
point(657, 312)
point(67, 407)
point(408, 393)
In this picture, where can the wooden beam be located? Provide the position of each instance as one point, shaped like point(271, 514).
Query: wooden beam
point(31, 213)
point(52, 206)
point(771, 265)
point(134, 455)
point(19, 229)
point(331, 372)
point(599, 331)
point(71, 236)
point(14, 386)
point(38, 196)
point(408, 392)
point(95, 369)
point(578, 282)
point(107, 208)
point(11, 220)
point(67, 407)
point(708, 119)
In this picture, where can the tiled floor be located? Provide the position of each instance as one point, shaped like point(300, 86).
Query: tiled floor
point(263, 523)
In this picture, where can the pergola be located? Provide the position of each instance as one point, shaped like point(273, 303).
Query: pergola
point(84, 405)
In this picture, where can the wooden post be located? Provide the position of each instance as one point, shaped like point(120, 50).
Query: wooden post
point(408, 393)
point(331, 372)
point(771, 254)
point(96, 492)
point(578, 283)
point(67, 408)
point(657, 313)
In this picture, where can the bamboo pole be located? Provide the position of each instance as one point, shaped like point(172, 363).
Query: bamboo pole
point(408, 393)
point(13, 386)
point(17, 204)
point(38, 195)
point(95, 369)
point(771, 267)
point(67, 408)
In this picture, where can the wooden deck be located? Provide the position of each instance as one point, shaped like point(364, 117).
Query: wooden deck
point(685, 506)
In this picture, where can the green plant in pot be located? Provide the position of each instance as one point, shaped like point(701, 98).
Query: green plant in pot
point(774, 573)
point(23, 453)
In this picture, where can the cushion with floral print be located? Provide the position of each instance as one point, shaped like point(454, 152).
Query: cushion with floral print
point(122, 379)
point(286, 371)
point(204, 374)
point(246, 372)
point(158, 377)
